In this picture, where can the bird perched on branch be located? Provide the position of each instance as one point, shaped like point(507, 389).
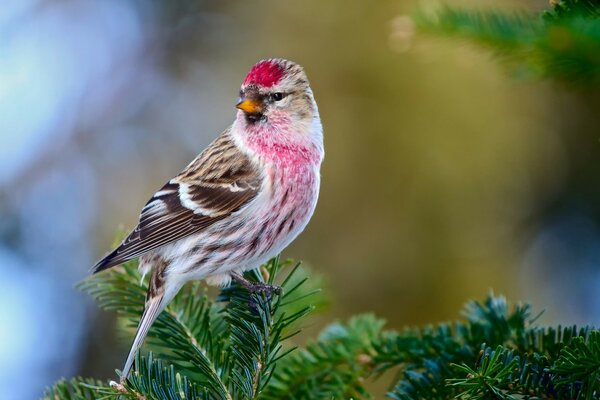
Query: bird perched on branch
point(237, 204)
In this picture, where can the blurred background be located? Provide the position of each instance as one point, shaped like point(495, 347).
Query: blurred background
point(444, 176)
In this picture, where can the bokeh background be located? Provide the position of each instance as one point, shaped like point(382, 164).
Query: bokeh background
point(444, 175)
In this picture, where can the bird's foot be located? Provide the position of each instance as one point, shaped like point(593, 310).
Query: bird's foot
point(257, 287)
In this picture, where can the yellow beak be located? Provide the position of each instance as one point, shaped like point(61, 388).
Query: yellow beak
point(250, 106)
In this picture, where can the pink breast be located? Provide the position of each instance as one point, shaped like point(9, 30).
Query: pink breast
point(295, 191)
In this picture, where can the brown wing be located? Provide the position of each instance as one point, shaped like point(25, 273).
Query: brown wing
point(220, 181)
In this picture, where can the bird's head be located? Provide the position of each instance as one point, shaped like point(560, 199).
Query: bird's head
point(276, 92)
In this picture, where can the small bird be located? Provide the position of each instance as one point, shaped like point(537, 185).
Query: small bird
point(237, 204)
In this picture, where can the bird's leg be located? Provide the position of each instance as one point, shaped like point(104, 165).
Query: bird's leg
point(256, 287)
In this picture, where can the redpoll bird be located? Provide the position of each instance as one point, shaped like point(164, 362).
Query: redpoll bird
point(240, 202)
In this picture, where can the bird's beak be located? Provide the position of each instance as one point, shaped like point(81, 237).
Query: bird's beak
point(250, 106)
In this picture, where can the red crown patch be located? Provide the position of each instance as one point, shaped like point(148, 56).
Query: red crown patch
point(265, 73)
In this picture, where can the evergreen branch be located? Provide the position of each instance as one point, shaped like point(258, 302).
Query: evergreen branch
point(427, 382)
point(506, 373)
point(490, 321)
point(234, 349)
point(189, 320)
point(229, 349)
point(333, 367)
point(510, 32)
point(578, 367)
point(257, 325)
point(445, 361)
point(79, 389)
point(194, 337)
point(491, 378)
point(152, 379)
point(562, 9)
point(562, 43)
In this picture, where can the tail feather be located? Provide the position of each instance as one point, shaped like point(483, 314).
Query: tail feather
point(153, 307)
point(159, 296)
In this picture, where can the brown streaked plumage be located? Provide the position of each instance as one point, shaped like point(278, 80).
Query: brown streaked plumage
point(210, 179)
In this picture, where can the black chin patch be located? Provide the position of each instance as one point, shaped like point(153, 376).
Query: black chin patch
point(253, 118)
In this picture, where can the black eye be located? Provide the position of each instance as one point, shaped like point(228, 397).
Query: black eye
point(277, 96)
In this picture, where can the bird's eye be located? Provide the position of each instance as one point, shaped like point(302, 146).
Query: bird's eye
point(277, 96)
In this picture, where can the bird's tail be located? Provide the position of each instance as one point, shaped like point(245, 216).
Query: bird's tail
point(153, 307)
point(157, 300)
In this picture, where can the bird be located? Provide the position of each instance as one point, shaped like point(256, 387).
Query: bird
point(239, 203)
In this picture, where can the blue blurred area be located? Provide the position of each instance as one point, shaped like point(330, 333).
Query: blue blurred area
point(564, 262)
point(443, 177)
point(64, 68)
point(67, 71)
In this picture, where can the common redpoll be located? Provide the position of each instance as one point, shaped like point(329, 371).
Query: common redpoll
point(240, 202)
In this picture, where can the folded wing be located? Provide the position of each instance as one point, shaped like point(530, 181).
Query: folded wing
point(219, 182)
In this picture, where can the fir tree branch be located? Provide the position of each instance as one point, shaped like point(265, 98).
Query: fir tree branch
point(80, 389)
point(233, 348)
point(492, 376)
point(258, 327)
point(152, 379)
point(333, 367)
point(229, 349)
point(189, 320)
point(562, 43)
point(577, 369)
